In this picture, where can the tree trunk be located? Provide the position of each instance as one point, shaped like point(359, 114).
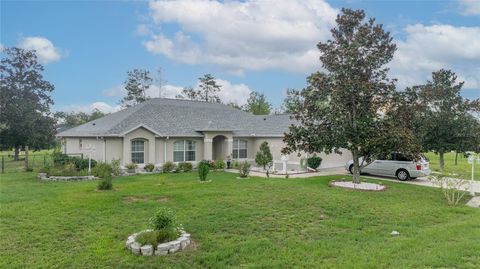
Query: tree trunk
point(442, 160)
point(456, 157)
point(356, 167)
point(17, 151)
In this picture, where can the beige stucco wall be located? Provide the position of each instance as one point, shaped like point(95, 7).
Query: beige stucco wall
point(276, 145)
point(208, 144)
point(156, 148)
point(72, 147)
point(150, 142)
point(114, 149)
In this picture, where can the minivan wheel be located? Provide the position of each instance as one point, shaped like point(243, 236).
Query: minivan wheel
point(403, 175)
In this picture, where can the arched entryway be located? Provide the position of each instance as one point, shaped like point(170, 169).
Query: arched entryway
point(219, 147)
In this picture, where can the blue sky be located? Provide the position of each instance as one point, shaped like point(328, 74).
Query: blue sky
point(88, 46)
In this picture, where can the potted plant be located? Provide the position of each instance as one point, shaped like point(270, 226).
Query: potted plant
point(131, 167)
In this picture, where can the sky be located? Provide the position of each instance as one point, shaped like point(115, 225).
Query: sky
point(87, 47)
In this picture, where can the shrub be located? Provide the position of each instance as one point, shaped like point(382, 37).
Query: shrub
point(314, 162)
point(244, 169)
point(163, 219)
point(131, 166)
point(168, 167)
point(149, 167)
point(60, 159)
point(219, 165)
point(148, 238)
point(82, 164)
point(66, 170)
point(102, 170)
point(115, 164)
point(203, 169)
point(451, 186)
point(264, 156)
point(157, 237)
point(185, 167)
point(105, 184)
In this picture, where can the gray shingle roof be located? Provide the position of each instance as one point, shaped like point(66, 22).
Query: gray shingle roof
point(173, 117)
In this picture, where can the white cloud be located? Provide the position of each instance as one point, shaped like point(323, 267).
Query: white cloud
point(88, 108)
point(470, 7)
point(45, 49)
point(249, 35)
point(237, 93)
point(430, 48)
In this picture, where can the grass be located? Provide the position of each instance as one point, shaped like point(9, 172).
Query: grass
point(462, 164)
point(234, 223)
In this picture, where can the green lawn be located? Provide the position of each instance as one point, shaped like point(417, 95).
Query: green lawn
point(462, 164)
point(234, 223)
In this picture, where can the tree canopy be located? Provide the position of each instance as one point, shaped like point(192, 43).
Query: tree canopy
point(207, 91)
point(24, 102)
point(349, 105)
point(444, 119)
point(137, 83)
point(67, 120)
point(257, 104)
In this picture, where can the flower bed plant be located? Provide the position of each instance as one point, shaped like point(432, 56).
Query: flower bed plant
point(165, 236)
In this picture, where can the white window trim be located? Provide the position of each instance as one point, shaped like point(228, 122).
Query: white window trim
point(185, 150)
point(131, 149)
point(238, 149)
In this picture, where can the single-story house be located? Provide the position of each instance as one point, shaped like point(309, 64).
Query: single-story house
point(161, 130)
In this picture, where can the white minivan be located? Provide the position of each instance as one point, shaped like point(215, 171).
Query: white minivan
point(396, 165)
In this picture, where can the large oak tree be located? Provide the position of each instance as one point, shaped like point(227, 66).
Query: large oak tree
point(24, 102)
point(352, 102)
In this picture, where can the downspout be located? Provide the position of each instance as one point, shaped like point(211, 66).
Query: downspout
point(104, 150)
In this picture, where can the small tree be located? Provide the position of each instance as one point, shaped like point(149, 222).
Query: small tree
point(137, 83)
point(264, 156)
point(257, 104)
point(203, 170)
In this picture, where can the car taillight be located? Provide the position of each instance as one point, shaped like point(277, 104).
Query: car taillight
point(419, 166)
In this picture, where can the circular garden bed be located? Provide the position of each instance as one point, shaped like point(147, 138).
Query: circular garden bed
point(161, 249)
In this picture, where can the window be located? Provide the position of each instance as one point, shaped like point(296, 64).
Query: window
point(138, 151)
point(184, 151)
point(239, 149)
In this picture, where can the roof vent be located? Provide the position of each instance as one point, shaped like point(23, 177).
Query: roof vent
point(93, 124)
point(264, 118)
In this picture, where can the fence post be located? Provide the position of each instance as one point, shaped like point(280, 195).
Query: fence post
point(26, 158)
point(3, 164)
point(44, 161)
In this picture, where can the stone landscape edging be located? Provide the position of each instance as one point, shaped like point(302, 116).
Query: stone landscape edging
point(45, 177)
point(162, 249)
point(332, 184)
